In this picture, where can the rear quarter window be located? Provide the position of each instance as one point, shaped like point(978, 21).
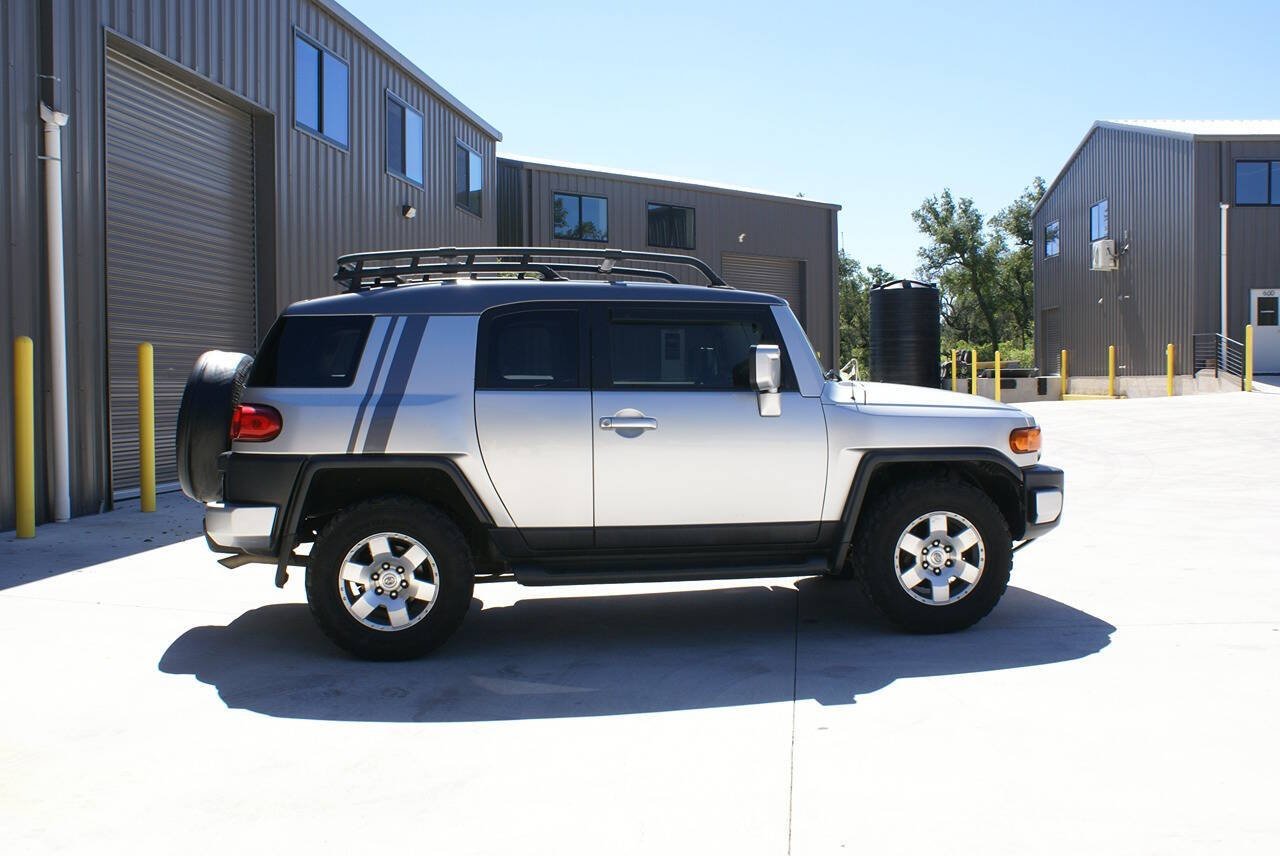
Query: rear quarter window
point(311, 351)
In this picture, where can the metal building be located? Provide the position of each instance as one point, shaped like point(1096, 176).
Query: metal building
point(219, 156)
point(759, 241)
point(1130, 249)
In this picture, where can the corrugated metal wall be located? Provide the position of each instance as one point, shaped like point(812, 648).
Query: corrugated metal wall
point(319, 200)
point(1149, 301)
point(21, 272)
point(725, 222)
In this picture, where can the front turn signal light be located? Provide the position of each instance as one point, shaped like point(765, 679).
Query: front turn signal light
point(1024, 440)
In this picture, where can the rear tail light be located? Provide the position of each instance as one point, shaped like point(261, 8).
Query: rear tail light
point(1025, 440)
point(254, 423)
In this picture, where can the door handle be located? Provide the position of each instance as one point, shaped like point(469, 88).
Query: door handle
point(628, 423)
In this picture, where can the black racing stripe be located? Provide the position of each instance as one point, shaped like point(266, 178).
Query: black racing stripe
point(373, 382)
point(384, 412)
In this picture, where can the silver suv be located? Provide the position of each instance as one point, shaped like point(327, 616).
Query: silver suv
point(473, 413)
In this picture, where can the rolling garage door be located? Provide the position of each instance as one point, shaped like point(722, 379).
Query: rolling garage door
point(770, 275)
point(181, 272)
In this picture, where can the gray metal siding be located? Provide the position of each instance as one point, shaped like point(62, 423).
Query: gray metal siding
point(725, 222)
point(1253, 252)
point(180, 247)
point(21, 271)
point(1148, 302)
point(783, 277)
point(316, 201)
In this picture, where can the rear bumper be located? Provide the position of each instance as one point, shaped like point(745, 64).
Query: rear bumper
point(232, 528)
point(1043, 491)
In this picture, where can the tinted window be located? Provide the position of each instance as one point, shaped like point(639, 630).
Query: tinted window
point(670, 226)
point(319, 91)
point(1051, 240)
point(1252, 182)
point(533, 349)
point(580, 218)
point(685, 350)
point(1099, 227)
point(404, 140)
point(468, 176)
point(311, 351)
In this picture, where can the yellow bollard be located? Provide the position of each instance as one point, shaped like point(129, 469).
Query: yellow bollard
point(24, 435)
point(147, 425)
point(1065, 376)
point(955, 380)
point(997, 375)
point(1248, 358)
point(1168, 368)
point(1111, 370)
point(973, 372)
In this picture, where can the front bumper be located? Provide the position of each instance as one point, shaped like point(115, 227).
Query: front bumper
point(230, 528)
point(1042, 498)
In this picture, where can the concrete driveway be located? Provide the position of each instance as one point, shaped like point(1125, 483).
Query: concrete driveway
point(1122, 699)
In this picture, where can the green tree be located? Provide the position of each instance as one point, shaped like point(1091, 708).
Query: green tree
point(855, 308)
point(963, 255)
point(1016, 266)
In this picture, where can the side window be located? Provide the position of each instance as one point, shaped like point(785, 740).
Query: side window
point(468, 178)
point(1099, 221)
point(684, 348)
point(311, 351)
point(670, 226)
point(1051, 240)
point(319, 91)
point(530, 349)
point(404, 140)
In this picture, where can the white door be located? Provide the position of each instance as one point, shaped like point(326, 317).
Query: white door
point(679, 440)
point(1264, 308)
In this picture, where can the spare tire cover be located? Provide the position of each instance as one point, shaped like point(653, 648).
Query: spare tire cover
point(204, 420)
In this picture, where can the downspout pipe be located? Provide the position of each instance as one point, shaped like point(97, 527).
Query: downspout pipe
point(1224, 207)
point(54, 122)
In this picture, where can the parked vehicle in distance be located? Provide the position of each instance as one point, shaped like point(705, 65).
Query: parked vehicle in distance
point(450, 418)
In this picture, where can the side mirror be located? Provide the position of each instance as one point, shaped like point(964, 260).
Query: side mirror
point(766, 378)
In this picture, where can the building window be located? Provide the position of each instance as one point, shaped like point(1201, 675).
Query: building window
point(468, 178)
point(1099, 225)
point(319, 91)
point(1051, 240)
point(404, 140)
point(1258, 182)
point(579, 218)
point(670, 226)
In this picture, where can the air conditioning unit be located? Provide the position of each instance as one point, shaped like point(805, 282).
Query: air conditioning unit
point(1104, 255)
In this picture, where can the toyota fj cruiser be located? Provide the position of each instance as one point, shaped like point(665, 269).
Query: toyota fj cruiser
point(464, 413)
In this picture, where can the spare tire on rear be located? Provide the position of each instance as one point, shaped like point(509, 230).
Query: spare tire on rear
point(204, 420)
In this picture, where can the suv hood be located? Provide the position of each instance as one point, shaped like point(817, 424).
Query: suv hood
point(897, 394)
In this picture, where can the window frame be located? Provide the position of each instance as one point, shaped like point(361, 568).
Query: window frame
point(1104, 201)
point(483, 340)
point(405, 107)
point(318, 133)
point(460, 144)
point(1272, 194)
point(1057, 239)
point(579, 197)
point(601, 354)
point(693, 245)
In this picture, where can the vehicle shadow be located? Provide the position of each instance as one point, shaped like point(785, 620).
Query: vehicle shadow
point(634, 653)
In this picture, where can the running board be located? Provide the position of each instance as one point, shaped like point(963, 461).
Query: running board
point(537, 575)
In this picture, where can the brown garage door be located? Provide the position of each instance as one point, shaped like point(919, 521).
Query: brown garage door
point(181, 272)
point(770, 275)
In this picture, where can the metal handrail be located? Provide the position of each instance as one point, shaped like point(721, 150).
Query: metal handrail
point(1219, 354)
point(360, 271)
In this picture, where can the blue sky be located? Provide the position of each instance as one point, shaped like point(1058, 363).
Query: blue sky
point(870, 105)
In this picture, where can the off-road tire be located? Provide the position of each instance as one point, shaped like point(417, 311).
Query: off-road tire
point(426, 524)
point(876, 540)
point(204, 420)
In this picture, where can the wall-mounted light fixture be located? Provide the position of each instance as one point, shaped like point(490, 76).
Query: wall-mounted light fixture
point(409, 212)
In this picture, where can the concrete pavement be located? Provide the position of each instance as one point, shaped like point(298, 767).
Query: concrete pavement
point(1119, 700)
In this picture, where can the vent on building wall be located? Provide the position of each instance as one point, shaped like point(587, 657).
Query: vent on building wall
point(1104, 255)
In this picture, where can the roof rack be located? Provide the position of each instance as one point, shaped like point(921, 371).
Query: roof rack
point(363, 271)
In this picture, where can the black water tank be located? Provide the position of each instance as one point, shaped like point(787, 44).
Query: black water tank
point(906, 333)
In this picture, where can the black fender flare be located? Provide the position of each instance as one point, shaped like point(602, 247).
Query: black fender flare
point(290, 517)
point(873, 459)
